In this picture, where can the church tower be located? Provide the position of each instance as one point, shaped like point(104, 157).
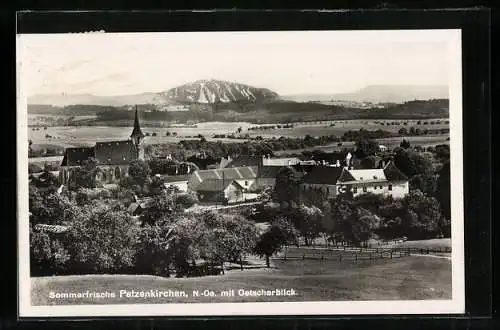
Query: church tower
point(137, 136)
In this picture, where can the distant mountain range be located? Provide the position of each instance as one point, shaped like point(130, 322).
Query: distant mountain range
point(200, 91)
point(225, 92)
point(378, 94)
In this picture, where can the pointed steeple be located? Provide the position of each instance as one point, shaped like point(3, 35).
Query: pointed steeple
point(137, 132)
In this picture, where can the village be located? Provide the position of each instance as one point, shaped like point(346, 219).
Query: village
point(243, 179)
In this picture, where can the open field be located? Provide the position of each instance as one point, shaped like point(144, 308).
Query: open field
point(426, 244)
point(423, 141)
point(76, 136)
point(406, 278)
point(341, 126)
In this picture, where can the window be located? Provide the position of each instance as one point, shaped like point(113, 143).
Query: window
point(364, 189)
point(390, 187)
point(246, 183)
point(327, 190)
point(355, 189)
point(375, 188)
point(381, 187)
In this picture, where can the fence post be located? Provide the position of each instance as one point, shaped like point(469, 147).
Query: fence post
point(370, 256)
point(340, 257)
point(303, 256)
point(391, 254)
point(356, 257)
point(322, 256)
point(427, 250)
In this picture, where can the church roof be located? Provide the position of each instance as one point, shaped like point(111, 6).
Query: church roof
point(115, 152)
point(77, 156)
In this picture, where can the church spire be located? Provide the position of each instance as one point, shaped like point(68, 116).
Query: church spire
point(137, 136)
point(137, 132)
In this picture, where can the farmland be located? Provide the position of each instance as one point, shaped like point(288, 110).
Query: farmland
point(75, 136)
point(404, 278)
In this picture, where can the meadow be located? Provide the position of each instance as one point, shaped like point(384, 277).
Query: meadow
point(406, 278)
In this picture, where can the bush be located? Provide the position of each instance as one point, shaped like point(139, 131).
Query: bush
point(186, 200)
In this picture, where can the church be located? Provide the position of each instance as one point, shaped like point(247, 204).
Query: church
point(112, 157)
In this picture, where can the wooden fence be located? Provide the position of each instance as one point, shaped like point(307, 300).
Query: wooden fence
point(414, 250)
point(340, 255)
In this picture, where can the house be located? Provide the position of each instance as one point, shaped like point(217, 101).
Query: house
point(218, 191)
point(387, 181)
point(382, 148)
point(289, 161)
point(244, 176)
point(322, 179)
point(258, 161)
point(112, 157)
point(139, 205)
point(178, 181)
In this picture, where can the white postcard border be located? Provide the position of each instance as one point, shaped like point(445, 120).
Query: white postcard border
point(454, 306)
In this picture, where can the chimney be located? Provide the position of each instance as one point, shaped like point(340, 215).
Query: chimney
point(337, 164)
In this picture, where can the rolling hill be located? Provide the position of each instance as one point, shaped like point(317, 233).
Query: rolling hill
point(378, 94)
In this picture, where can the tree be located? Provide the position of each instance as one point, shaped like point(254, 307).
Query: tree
point(422, 215)
point(443, 152)
point(154, 253)
point(405, 144)
point(403, 131)
point(286, 186)
point(84, 176)
point(246, 233)
point(102, 239)
point(368, 162)
point(139, 171)
point(443, 190)
point(280, 233)
point(50, 208)
point(48, 256)
point(156, 186)
point(158, 209)
point(366, 148)
point(308, 221)
point(412, 163)
point(426, 183)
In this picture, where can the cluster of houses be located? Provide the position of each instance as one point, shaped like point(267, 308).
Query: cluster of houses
point(243, 178)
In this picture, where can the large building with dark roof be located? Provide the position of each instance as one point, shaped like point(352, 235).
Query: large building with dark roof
point(330, 181)
point(112, 157)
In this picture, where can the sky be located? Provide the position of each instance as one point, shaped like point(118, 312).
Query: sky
point(289, 63)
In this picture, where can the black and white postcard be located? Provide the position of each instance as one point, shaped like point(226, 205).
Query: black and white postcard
point(240, 173)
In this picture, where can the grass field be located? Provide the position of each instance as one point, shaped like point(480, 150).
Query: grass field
point(427, 244)
point(407, 278)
